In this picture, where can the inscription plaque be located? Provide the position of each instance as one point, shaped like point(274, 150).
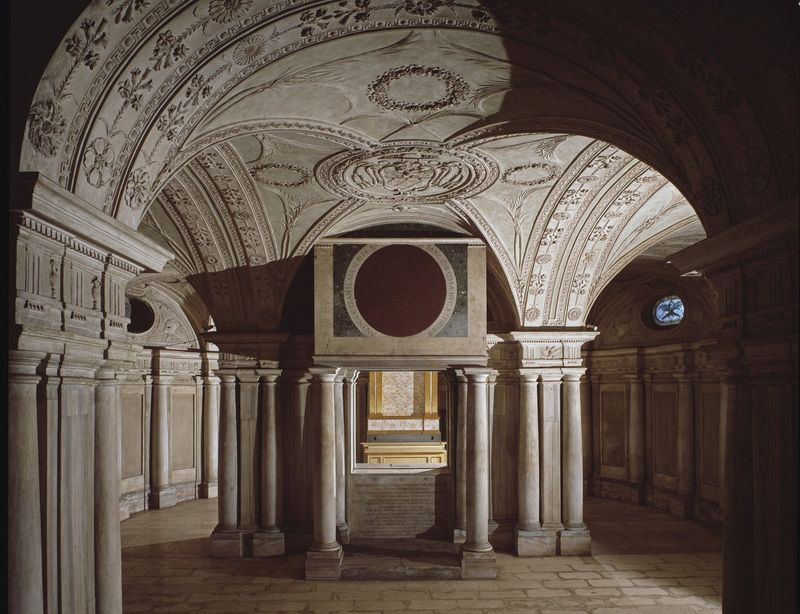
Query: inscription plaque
point(394, 506)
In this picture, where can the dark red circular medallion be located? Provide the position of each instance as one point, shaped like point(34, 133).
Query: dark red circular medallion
point(400, 290)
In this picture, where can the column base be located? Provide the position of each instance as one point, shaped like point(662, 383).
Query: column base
point(208, 491)
point(459, 536)
point(343, 533)
point(574, 542)
point(324, 565)
point(226, 544)
point(478, 565)
point(534, 543)
point(163, 498)
point(268, 543)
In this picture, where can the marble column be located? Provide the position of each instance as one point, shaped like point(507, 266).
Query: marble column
point(248, 450)
point(107, 545)
point(685, 445)
point(477, 555)
point(352, 442)
point(209, 485)
point(162, 493)
point(25, 593)
point(636, 438)
point(324, 559)
point(226, 540)
point(490, 391)
point(342, 528)
point(362, 409)
point(586, 432)
point(574, 539)
point(460, 529)
point(529, 538)
point(298, 504)
point(268, 540)
point(550, 449)
point(738, 551)
point(148, 437)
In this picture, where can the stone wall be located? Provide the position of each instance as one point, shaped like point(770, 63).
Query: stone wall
point(656, 428)
point(190, 465)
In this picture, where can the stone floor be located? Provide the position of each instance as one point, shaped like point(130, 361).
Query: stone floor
point(643, 561)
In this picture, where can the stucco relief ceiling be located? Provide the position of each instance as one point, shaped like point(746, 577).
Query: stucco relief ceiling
point(238, 132)
point(558, 211)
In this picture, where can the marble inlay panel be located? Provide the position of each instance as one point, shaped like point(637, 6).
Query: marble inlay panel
point(399, 398)
point(395, 425)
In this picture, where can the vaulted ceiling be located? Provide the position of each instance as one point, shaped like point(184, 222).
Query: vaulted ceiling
point(239, 132)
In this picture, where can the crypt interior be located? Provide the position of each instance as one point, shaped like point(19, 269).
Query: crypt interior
point(300, 283)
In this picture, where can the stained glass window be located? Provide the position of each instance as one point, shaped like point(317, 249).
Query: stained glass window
point(668, 311)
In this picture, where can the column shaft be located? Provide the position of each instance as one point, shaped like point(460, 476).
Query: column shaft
point(324, 559)
point(478, 465)
point(586, 432)
point(325, 465)
point(301, 453)
point(25, 593)
point(550, 448)
point(572, 457)
point(686, 441)
point(461, 456)
point(636, 433)
point(228, 453)
point(477, 556)
point(737, 544)
point(341, 522)
point(269, 540)
point(210, 437)
point(107, 547)
point(490, 392)
point(528, 454)
point(162, 494)
point(269, 456)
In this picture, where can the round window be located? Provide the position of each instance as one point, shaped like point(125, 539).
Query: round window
point(140, 313)
point(668, 311)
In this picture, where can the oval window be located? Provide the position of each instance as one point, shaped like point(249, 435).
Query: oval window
point(668, 311)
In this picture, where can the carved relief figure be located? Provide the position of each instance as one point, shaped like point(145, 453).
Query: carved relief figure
point(53, 277)
point(95, 292)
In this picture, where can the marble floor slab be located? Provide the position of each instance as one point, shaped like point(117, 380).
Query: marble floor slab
point(644, 561)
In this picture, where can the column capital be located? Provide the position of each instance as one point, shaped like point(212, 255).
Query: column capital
point(550, 375)
point(269, 376)
point(478, 374)
point(211, 380)
point(323, 374)
point(528, 376)
point(227, 378)
point(163, 380)
point(21, 362)
point(573, 374)
point(351, 375)
point(248, 377)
